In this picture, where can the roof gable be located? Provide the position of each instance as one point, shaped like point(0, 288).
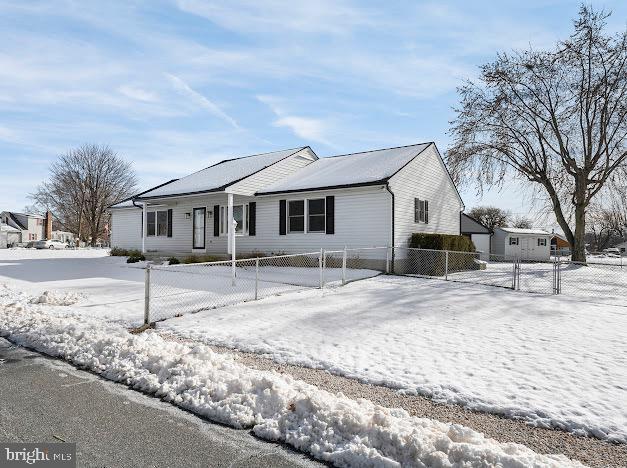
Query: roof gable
point(217, 177)
point(348, 170)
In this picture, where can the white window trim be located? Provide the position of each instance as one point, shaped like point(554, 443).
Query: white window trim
point(223, 220)
point(156, 223)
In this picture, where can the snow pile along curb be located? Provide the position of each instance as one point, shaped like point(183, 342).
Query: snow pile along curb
point(330, 427)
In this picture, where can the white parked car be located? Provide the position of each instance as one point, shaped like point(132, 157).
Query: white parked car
point(612, 252)
point(50, 244)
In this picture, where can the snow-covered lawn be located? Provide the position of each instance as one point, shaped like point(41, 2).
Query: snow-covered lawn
point(553, 361)
point(108, 286)
point(329, 426)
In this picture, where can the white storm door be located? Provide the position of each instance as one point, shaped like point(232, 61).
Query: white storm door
point(200, 215)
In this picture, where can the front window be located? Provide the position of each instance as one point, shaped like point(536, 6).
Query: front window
point(150, 223)
point(157, 223)
point(296, 216)
point(513, 241)
point(240, 214)
point(316, 215)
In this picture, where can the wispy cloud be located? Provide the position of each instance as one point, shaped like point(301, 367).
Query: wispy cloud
point(201, 100)
point(308, 128)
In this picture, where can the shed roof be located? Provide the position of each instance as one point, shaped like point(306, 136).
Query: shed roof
point(348, 170)
point(537, 232)
point(219, 176)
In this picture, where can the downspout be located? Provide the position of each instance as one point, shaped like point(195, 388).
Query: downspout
point(387, 187)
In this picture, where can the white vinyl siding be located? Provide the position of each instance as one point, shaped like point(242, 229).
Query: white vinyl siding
point(425, 178)
point(126, 228)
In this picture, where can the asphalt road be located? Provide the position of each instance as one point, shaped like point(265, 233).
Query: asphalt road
point(47, 400)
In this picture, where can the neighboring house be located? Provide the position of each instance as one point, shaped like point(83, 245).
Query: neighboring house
point(31, 226)
point(559, 244)
point(531, 244)
point(622, 247)
point(9, 236)
point(292, 201)
point(64, 236)
point(478, 233)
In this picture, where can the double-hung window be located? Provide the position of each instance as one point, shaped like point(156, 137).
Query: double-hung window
point(316, 215)
point(296, 216)
point(513, 241)
point(157, 223)
point(421, 211)
point(240, 214)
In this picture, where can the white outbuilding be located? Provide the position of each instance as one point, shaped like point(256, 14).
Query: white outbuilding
point(531, 244)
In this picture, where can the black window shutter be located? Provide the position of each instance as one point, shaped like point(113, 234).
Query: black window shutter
point(331, 215)
point(170, 222)
point(426, 212)
point(216, 220)
point(252, 218)
point(416, 210)
point(282, 218)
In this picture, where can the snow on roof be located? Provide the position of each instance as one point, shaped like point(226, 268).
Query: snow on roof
point(6, 228)
point(123, 204)
point(353, 169)
point(220, 175)
point(525, 231)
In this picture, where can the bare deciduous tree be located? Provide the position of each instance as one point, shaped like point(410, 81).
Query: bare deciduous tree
point(557, 118)
point(490, 216)
point(522, 222)
point(83, 183)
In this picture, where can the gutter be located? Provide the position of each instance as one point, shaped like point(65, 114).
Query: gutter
point(387, 187)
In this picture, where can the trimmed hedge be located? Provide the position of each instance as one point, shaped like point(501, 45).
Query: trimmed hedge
point(432, 263)
point(441, 242)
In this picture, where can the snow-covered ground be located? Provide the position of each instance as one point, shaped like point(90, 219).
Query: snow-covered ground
point(329, 426)
point(108, 286)
point(550, 360)
point(553, 361)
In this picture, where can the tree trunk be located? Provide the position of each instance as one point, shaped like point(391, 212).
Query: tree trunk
point(579, 241)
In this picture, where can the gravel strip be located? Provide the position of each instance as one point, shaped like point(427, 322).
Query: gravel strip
point(592, 452)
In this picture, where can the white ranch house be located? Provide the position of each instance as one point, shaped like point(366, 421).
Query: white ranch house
point(530, 244)
point(291, 201)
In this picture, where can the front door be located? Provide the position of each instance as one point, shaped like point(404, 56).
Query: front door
point(198, 231)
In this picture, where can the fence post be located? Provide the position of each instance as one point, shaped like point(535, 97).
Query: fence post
point(344, 267)
point(321, 268)
point(446, 266)
point(387, 260)
point(514, 274)
point(147, 296)
point(256, 278)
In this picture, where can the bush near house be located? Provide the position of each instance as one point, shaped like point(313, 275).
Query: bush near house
point(430, 263)
point(441, 242)
point(135, 256)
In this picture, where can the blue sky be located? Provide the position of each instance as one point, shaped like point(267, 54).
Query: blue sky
point(176, 85)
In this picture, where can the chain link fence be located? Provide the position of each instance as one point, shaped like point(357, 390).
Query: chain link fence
point(174, 290)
